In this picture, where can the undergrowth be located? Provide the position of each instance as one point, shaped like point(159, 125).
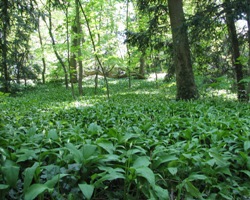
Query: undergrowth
point(140, 144)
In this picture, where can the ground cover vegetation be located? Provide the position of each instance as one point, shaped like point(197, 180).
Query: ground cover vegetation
point(124, 99)
point(139, 144)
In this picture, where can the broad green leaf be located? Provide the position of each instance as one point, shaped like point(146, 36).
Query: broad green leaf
point(111, 174)
point(88, 150)
point(218, 159)
point(224, 170)
point(94, 129)
point(111, 157)
point(87, 190)
point(146, 173)
point(3, 187)
point(164, 159)
point(246, 145)
point(128, 136)
point(107, 145)
point(173, 170)
point(193, 177)
point(226, 195)
point(51, 183)
point(78, 157)
point(11, 174)
point(28, 175)
point(34, 190)
point(246, 172)
point(26, 154)
point(192, 190)
point(161, 193)
point(52, 134)
point(141, 162)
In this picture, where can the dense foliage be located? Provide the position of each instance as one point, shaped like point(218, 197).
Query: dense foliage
point(140, 144)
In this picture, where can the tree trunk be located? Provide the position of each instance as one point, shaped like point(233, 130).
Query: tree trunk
point(4, 46)
point(235, 52)
point(43, 57)
point(79, 39)
point(54, 47)
point(186, 88)
point(94, 48)
point(142, 66)
point(74, 47)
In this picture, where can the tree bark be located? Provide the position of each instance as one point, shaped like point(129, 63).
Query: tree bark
point(79, 39)
point(4, 46)
point(235, 52)
point(43, 57)
point(74, 47)
point(54, 47)
point(186, 87)
point(142, 66)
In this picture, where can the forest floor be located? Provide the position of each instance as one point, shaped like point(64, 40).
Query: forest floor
point(139, 144)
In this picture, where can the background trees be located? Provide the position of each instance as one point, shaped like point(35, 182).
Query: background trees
point(34, 42)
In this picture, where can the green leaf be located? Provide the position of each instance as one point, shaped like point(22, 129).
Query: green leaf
point(88, 150)
point(173, 170)
point(87, 190)
point(192, 190)
point(11, 174)
point(164, 159)
point(52, 182)
point(112, 173)
point(28, 175)
point(246, 172)
point(218, 159)
point(52, 134)
point(4, 187)
point(94, 129)
point(26, 154)
point(224, 170)
point(146, 173)
point(107, 145)
point(34, 190)
point(246, 145)
point(141, 162)
point(161, 193)
point(78, 157)
point(193, 177)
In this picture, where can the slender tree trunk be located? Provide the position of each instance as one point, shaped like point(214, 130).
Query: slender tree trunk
point(4, 46)
point(235, 52)
point(43, 57)
point(54, 47)
point(127, 46)
point(73, 54)
point(68, 50)
point(79, 39)
point(186, 88)
point(94, 48)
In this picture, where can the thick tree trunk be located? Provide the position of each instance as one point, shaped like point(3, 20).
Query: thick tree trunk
point(186, 88)
point(4, 46)
point(235, 52)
